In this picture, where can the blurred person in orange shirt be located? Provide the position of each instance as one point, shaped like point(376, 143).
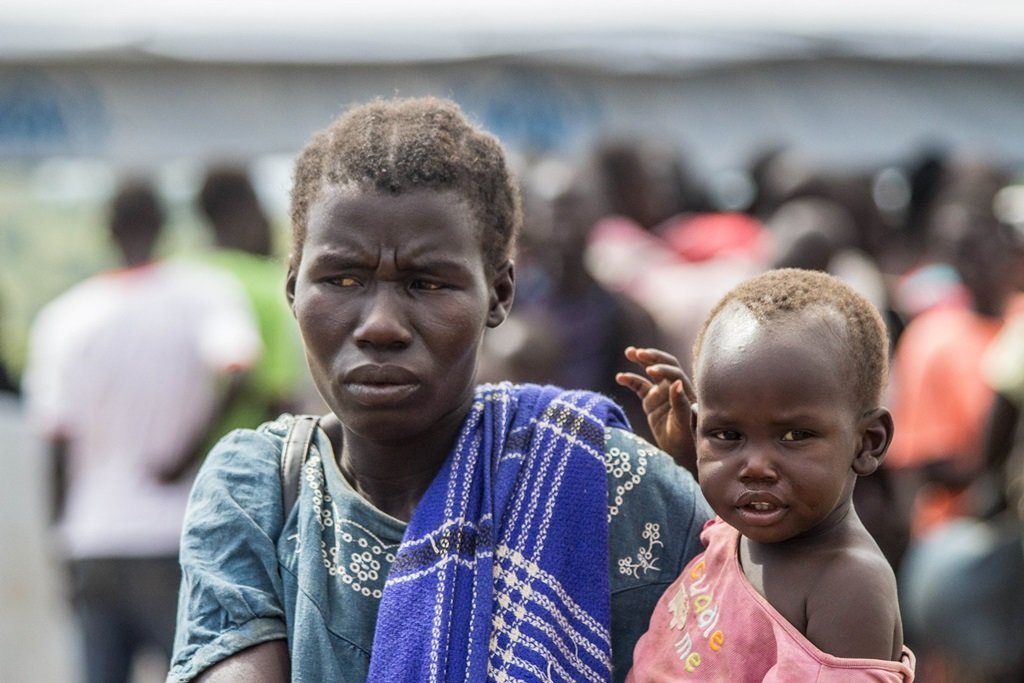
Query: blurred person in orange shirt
point(939, 395)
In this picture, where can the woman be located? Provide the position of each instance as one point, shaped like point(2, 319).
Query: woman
point(443, 531)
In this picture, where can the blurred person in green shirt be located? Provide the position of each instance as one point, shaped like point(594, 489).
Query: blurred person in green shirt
point(243, 247)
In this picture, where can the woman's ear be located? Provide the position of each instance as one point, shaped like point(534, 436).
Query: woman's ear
point(289, 288)
point(876, 428)
point(503, 291)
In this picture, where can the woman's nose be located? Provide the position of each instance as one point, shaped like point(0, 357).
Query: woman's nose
point(384, 322)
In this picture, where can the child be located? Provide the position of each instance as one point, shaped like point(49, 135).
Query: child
point(789, 369)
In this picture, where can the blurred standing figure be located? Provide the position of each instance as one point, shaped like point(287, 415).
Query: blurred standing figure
point(973, 630)
point(662, 245)
point(243, 248)
point(567, 328)
point(126, 372)
point(940, 397)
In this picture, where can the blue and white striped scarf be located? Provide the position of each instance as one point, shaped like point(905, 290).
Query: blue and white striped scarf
point(503, 571)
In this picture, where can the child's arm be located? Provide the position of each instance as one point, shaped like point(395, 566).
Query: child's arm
point(853, 611)
point(667, 394)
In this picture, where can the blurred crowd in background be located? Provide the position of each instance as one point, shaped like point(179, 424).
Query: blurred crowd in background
point(626, 244)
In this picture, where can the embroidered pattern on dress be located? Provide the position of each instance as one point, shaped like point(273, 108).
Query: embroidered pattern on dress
point(645, 559)
point(623, 470)
point(626, 469)
point(350, 551)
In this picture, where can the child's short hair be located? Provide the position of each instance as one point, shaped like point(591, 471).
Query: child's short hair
point(398, 145)
point(782, 291)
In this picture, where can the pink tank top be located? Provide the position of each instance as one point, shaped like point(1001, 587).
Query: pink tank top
point(712, 625)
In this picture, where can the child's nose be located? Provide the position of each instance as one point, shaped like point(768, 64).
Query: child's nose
point(758, 465)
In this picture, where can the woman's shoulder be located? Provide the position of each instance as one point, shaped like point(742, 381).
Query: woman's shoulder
point(238, 487)
point(645, 480)
point(247, 454)
point(647, 487)
point(276, 430)
point(633, 462)
point(655, 515)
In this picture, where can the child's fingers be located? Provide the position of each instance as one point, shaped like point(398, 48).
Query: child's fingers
point(664, 373)
point(653, 356)
point(687, 388)
point(631, 354)
point(680, 401)
point(640, 386)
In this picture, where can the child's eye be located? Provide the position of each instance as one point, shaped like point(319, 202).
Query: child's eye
point(796, 435)
point(725, 435)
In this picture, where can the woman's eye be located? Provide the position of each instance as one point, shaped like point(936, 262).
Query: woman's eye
point(795, 435)
point(427, 285)
point(344, 281)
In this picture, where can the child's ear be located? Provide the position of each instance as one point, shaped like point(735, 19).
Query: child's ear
point(876, 429)
point(289, 288)
point(503, 291)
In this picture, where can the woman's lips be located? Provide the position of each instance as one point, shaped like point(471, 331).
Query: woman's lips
point(380, 394)
point(380, 385)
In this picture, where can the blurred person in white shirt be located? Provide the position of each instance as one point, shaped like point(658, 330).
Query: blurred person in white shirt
point(126, 373)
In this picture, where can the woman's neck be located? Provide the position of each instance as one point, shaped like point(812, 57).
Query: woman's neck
point(394, 495)
point(392, 476)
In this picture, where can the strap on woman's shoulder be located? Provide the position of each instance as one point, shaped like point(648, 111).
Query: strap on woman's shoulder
point(296, 445)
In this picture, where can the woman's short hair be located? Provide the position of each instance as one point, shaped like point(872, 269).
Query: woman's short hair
point(398, 145)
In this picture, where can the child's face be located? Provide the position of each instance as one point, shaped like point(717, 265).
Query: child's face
point(776, 427)
point(392, 296)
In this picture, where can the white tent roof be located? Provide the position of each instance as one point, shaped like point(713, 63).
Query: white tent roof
point(634, 35)
point(855, 81)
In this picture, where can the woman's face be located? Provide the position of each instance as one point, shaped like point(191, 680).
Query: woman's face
point(392, 296)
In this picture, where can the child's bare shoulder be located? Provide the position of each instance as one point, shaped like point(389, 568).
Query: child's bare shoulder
point(853, 609)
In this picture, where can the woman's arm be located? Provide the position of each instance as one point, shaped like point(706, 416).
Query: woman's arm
point(231, 605)
point(263, 663)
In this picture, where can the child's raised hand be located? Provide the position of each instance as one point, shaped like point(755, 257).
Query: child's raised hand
point(666, 394)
